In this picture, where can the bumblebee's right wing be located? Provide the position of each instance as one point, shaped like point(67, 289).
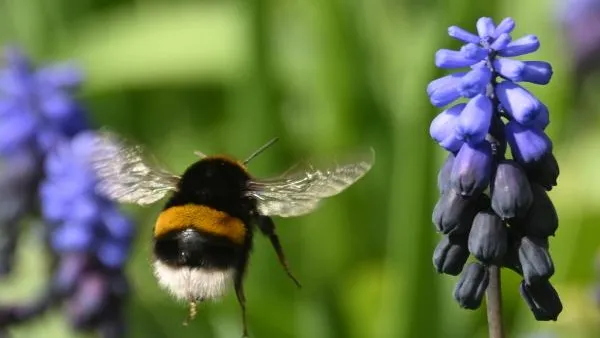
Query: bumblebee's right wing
point(126, 174)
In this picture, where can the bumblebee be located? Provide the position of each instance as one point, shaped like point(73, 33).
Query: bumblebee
point(203, 236)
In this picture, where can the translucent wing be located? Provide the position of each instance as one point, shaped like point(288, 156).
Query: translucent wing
point(126, 174)
point(299, 191)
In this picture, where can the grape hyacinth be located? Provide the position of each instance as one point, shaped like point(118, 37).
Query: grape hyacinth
point(491, 206)
point(44, 145)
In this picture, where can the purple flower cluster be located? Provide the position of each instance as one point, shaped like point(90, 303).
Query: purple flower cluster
point(44, 149)
point(37, 107)
point(580, 21)
point(493, 207)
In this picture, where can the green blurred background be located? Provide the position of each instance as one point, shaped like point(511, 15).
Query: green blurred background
point(326, 76)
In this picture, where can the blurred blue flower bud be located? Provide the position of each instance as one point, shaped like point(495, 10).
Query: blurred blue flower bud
point(19, 177)
point(90, 297)
point(83, 219)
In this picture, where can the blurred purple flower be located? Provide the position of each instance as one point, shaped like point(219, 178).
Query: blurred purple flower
point(498, 113)
point(82, 220)
point(580, 22)
point(19, 177)
point(37, 107)
point(45, 149)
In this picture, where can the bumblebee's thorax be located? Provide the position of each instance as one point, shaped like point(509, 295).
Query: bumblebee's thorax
point(215, 182)
point(205, 224)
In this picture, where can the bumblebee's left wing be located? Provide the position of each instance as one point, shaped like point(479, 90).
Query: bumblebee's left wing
point(126, 174)
point(299, 191)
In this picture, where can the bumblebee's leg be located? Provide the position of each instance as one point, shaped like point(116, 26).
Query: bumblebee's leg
point(241, 297)
point(267, 227)
point(193, 311)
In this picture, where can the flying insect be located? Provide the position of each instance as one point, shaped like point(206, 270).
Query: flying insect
point(203, 236)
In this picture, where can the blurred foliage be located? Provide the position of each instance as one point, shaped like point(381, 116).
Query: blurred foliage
point(326, 76)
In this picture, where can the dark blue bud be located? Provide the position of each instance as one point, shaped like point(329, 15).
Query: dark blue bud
point(541, 219)
point(488, 237)
point(88, 301)
point(472, 169)
point(443, 179)
point(535, 259)
point(470, 289)
point(527, 144)
point(511, 192)
point(454, 213)
point(511, 258)
point(542, 299)
point(68, 273)
point(544, 172)
point(113, 326)
point(451, 254)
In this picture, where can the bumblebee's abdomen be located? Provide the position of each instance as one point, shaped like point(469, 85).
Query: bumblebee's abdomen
point(202, 218)
point(196, 249)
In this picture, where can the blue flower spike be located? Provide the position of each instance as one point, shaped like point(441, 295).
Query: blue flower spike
point(508, 194)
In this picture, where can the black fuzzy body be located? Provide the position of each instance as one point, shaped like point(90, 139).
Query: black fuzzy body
point(218, 183)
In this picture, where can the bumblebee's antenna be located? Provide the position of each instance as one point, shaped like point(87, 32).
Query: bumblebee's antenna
point(261, 149)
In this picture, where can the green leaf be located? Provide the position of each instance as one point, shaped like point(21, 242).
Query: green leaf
point(160, 43)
